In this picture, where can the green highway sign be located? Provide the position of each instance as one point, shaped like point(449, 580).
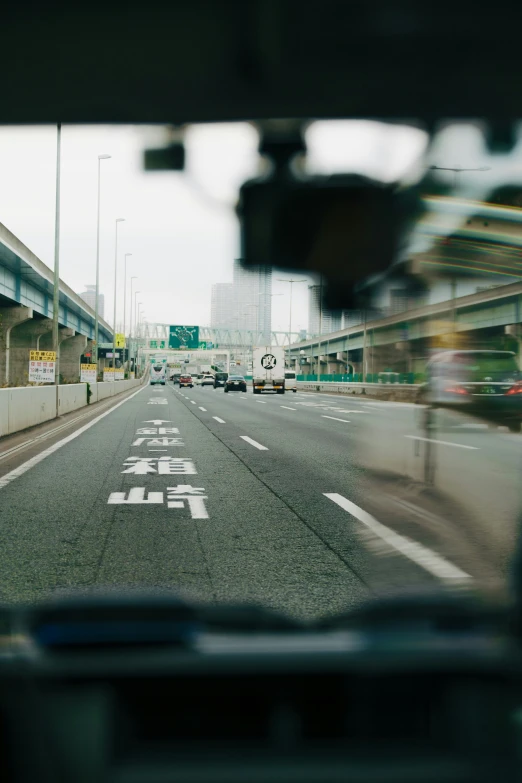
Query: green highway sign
point(157, 343)
point(183, 337)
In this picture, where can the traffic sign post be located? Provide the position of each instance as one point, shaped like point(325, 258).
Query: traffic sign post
point(42, 366)
point(183, 337)
point(88, 373)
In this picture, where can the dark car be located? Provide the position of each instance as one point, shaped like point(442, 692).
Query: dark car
point(485, 383)
point(235, 383)
point(220, 379)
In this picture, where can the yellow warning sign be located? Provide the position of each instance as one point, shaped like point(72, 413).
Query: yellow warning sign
point(120, 340)
point(42, 356)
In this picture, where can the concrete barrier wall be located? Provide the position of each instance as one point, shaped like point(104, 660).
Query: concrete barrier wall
point(30, 405)
point(71, 397)
point(26, 406)
point(397, 392)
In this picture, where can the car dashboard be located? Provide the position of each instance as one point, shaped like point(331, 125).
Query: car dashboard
point(86, 698)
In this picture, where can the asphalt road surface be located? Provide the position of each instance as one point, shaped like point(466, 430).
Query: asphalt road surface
point(308, 503)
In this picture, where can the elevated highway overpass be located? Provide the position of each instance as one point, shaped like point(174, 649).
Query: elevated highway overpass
point(26, 311)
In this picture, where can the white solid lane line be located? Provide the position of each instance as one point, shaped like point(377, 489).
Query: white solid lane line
point(418, 553)
point(221, 421)
point(21, 469)
point(254, 443)
point(202, 409)
point(287, 408)
point(334, 418)
point(443, 442)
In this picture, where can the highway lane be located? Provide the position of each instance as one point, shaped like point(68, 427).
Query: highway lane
point(147, 496)
point(470, 514)
point(228, 496)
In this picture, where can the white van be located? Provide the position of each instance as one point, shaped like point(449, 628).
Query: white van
point(290, 381)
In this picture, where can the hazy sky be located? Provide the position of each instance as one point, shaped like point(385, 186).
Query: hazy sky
point(180, 227)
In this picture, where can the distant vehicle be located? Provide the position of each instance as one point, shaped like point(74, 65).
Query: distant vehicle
point(207, 380)
point(268, 369)
point(158, 374)
point(197, 380)
point(186, 380)
point(235, 383)
point(485, 383)
point(220, 379)
point(290, 381)
point(174, 377)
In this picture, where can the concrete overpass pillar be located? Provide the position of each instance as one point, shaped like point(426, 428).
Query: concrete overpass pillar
point(70, 353)
point(24, 338)
point(45, 343)
point(9, 318)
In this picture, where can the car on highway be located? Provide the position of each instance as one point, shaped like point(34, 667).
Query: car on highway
point(207, 380)
point(220, 378)
point(186, 380)
point(482, 382)
point(290, 381)
point(235, 383)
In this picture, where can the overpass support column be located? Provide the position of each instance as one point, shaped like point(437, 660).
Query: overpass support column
point(9, 318)
point(45, 343)
point(70, 354)
point(24, 338)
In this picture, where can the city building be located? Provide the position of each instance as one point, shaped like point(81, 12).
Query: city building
point(244, 304)
point(320, 321)
point(89, 297)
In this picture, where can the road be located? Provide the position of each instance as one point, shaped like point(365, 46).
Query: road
point(308, 503)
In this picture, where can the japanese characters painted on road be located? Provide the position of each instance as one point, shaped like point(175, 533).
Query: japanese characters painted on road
point(157, 431)
point(157, 421)
point(157, 401)
point(176, 498)
point(108, 373)
point(42, 366)
point(159, 441)
point(87, 373)
point(165, 466)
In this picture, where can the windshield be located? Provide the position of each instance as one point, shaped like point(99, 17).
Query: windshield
point(370, 448)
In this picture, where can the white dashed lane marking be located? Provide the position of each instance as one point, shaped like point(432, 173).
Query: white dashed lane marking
point(443, 442)
point(418, 553)
point(254, 443)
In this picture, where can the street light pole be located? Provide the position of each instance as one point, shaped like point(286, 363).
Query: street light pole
point(97, 295)
point(125, 300)
point(117, 222)
point(56, 289)
point(134, 277)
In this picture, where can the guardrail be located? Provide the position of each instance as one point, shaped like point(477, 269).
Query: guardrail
point(398, 392)
point(25, 406)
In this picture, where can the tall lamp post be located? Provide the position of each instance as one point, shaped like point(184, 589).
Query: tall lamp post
point(117, 222)
point(134, 277)
point(125, 300)
point(138, 333)
point(291, 281)
point(97, 295)
point(56, 289)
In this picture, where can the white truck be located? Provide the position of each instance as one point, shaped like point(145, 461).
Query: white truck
point(268, 372)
